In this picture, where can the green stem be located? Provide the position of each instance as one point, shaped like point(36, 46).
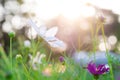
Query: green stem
point(93, 36)
point(11, 52)
point(4, 56)
point(96, 77)
point(26, 71)
point(49, 56)
point(108, 58)
point(34, 47)
point(85, 74)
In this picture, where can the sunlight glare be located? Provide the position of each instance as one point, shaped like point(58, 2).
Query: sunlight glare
point(84, 25)
point(70, 9)
point(47, 9)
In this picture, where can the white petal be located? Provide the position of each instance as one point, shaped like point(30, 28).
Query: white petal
point(33, 25)
point(50, 39)
point(57, 44)
point(51, 32)
point(43, 30)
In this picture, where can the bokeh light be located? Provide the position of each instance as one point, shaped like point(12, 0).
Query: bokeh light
point(103, 46)
point(112, 40)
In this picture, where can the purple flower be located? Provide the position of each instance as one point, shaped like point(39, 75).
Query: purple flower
point(61, 58)
point(97, 70)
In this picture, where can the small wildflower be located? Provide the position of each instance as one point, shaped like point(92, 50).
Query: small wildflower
point(36, 60)
point(27, 43)
point(96, 71)
point(61, 58)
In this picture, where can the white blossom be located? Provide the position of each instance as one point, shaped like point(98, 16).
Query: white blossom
point(36, 60)
point(12, 7)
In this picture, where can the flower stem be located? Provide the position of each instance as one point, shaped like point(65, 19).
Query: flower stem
point(11, 52)
point(96, 77)
point(108, 58)
point(26, 71)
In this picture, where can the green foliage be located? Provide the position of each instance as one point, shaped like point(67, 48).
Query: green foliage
point(25, 67)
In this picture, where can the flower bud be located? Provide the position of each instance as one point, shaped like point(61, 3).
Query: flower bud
point(61, 58)
point(18, 57)
point(11, 34)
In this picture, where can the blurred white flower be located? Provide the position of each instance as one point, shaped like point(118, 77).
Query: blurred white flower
point(27, 43)
point(12, 6)
point(28, 8)
point(31, 33)
point(8, 17)
point(1, 12)
point(16, 22)
point(7, 27)
point(36, 60)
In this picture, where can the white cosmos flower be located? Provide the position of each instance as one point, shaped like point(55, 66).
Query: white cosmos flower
point(49, 36)
point(36, 60)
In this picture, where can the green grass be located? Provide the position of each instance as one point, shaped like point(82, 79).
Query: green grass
point(22, 70)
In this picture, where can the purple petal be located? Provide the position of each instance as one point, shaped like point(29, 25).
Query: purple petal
point(101, 69)
point(97, 70)
point(92, 68)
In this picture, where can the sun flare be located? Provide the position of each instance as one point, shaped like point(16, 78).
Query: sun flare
point(70, 9)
